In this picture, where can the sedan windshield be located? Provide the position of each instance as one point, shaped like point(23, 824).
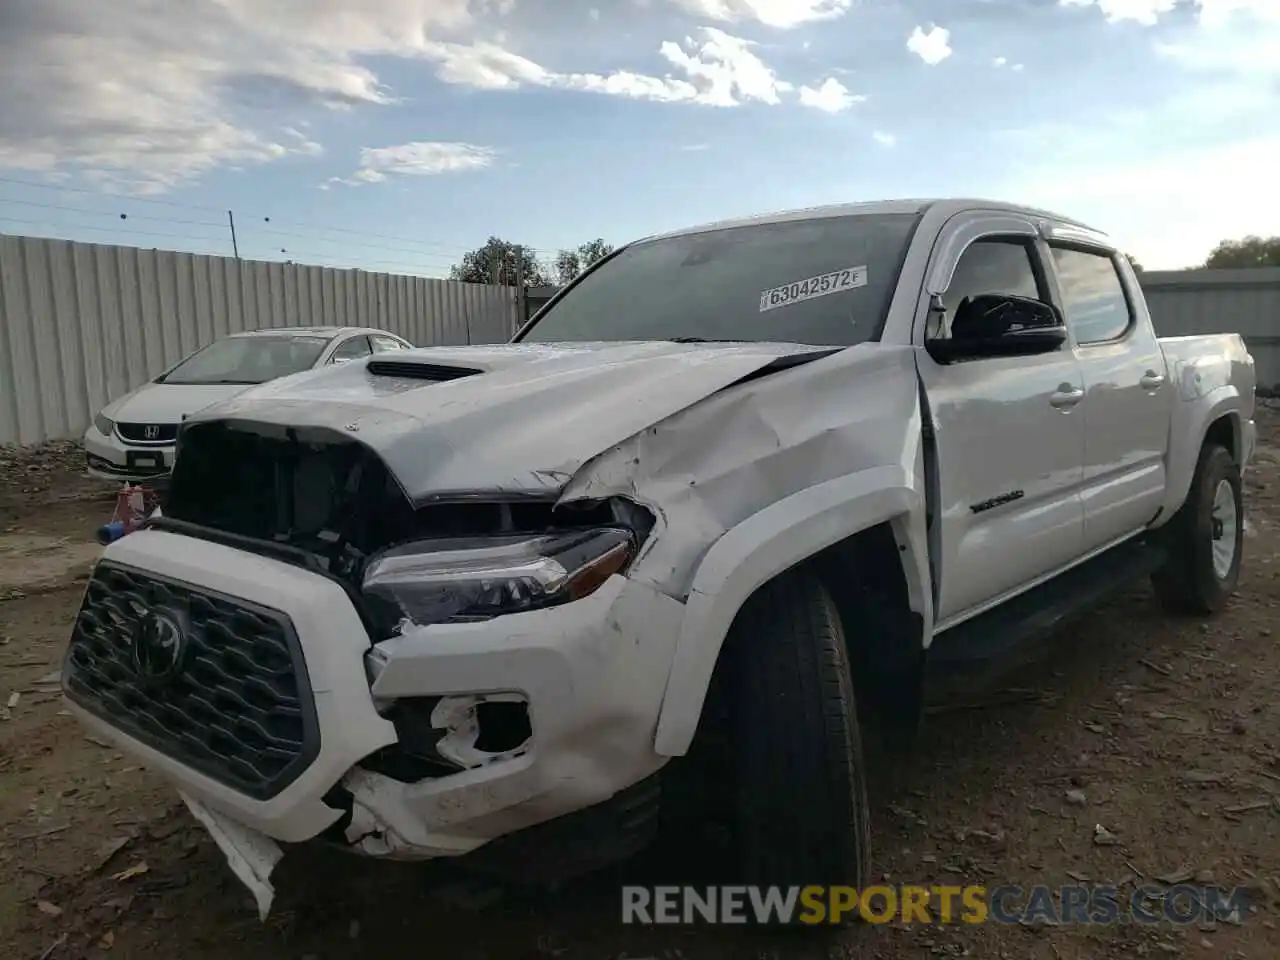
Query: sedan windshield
point(823, 281)
point(254, 359)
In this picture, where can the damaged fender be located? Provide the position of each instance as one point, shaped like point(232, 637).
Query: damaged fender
point(760, 476)
point(756, 551)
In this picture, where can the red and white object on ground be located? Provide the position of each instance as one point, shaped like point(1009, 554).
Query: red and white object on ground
point(134, 504)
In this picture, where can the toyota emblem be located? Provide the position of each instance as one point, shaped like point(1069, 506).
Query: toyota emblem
point(159, 643)
point(151, 431)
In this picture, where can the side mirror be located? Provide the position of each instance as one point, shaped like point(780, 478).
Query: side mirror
point(995, 325)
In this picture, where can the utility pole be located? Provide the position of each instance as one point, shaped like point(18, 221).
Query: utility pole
point(522, 308)
point(231, 222)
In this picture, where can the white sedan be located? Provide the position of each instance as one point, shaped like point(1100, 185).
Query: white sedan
point(133, 437)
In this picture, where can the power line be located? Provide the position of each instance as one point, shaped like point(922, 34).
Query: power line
point(99, 193)
point(327, 259)
point(223, 226)
point(243, 218)
point(352, 243)
point(109, 213)
point(249, 228)
point(313, 255)
point(138, 233)
point(365, 233)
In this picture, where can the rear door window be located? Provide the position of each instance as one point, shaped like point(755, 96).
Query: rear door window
point(1093, 296)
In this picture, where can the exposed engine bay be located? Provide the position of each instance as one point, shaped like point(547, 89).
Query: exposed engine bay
point(322, 500)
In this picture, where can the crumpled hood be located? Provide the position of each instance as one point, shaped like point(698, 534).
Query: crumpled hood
point(168, 402)
point(523, 421)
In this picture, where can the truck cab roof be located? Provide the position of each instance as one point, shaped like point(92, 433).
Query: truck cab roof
point(945, 207)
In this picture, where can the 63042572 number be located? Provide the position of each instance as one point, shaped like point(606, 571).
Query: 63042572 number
point(822, 285)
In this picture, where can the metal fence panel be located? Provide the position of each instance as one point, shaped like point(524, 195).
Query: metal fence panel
point(82, 324)
point(1246, 302)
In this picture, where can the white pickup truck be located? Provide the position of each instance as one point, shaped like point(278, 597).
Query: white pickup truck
point(504, 602)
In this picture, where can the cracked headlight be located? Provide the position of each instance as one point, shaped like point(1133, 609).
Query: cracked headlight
point(476, 578)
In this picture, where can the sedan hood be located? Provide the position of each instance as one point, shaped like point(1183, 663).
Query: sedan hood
point(165, 403)
point(520, 419)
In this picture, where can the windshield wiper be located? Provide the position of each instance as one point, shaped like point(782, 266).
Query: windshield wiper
point(699, 340)
point(212, 383)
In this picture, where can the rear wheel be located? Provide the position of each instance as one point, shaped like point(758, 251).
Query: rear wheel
point(800, 797)
point(1205, 539)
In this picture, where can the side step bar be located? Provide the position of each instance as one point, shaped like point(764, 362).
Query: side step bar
point(999, 638)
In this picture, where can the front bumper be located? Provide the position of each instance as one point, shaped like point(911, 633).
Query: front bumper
point(593, 673)
point(110, 458)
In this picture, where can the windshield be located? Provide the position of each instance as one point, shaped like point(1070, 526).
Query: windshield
point(821, 281)
point(247, 360)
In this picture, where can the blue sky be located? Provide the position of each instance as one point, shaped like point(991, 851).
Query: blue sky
point(396, 134)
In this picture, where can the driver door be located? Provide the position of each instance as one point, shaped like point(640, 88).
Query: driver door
point(1009, 442)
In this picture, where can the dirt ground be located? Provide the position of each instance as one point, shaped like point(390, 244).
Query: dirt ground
point(1165, 733)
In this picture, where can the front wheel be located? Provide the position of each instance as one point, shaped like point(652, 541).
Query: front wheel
point(1205, 539)
point(800, 797)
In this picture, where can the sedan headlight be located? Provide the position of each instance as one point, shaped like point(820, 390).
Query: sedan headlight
point(476, 578)
point(104, 425)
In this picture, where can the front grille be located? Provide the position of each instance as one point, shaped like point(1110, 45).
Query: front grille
point(137, 432)
point(235, 703)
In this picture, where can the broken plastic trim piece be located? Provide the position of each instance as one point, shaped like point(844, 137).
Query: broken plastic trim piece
point(476, 578)
point(251, 855)
point(465, 734)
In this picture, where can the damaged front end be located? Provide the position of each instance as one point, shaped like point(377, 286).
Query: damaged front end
point(322, 501)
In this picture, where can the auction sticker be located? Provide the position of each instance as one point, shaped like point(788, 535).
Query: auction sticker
point(824, 284)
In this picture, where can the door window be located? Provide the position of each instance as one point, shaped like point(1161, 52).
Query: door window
point(1093, 297)
point(352, 349)
point(989, 266)
point(385, 344)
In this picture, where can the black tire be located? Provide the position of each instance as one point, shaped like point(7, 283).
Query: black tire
point(800, 793)
point(1188, 582)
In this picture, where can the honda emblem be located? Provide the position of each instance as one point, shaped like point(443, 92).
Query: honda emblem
point(151, 431)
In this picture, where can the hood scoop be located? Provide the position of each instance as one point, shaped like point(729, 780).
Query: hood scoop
point(414, 370)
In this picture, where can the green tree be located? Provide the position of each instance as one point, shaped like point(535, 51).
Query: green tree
point(1252, 251)
point(570, 263)
point(497, 262)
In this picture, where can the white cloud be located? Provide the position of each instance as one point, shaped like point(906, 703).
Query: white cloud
point(157, 95)
point(932, 46)
point(783, 14)
point(152, 96)
point(999, 62)
point(830, 96)
point(486, 66)
point(1131, 200)
point(420, 158)
point(1146, 12)
point(593, 13)
point(721, 71)
point(302, 143)
point(1218, 12)
point(1236, 37)
point(884, 139)
point(724, 69)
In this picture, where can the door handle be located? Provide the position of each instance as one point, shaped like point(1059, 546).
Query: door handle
point(1066, 397)
point(1152, 380)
